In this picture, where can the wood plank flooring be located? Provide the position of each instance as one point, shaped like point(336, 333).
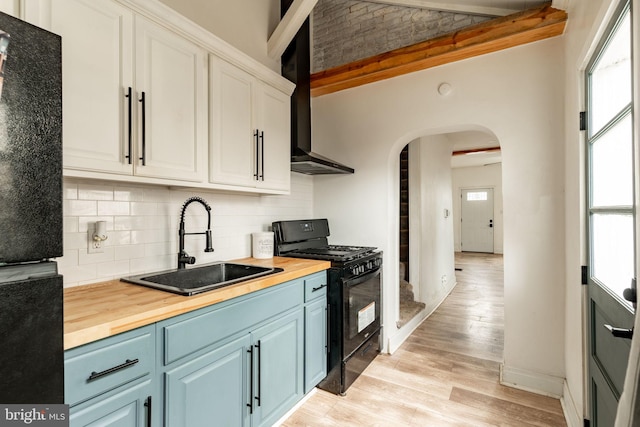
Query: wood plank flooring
point(446, 373)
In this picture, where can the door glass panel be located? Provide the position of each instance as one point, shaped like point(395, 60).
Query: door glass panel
point(612, 75)
point(613, 250)
point(612, 163)
point(476, 195)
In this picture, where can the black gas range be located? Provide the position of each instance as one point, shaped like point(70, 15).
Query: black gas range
point(353, 297)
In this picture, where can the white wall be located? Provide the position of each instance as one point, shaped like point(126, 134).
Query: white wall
point(489, 176)
point(142, 225)
point(430, 194)
point(516, 94)
point(245, 24)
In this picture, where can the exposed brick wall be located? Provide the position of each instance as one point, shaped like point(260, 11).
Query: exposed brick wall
point(345, 31)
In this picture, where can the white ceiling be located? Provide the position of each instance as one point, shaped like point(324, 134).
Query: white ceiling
point(476, 7)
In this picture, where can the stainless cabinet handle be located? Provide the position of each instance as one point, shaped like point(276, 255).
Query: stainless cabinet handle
point(95, 375)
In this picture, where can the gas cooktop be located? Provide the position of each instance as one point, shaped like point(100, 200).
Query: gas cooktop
point(332, 252)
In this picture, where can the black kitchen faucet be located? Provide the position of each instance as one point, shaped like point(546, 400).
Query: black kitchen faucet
point(183, 256)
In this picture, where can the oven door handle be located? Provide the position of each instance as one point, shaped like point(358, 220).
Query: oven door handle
point(361, 279)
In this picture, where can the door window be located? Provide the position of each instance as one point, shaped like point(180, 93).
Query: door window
point(610, 141)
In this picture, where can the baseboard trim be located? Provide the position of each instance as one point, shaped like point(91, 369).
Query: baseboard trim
point(394, 342)
point(295, 408)
point(571, 415)
point(547, 385)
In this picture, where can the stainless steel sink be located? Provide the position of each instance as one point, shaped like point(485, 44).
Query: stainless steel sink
point(201, 279)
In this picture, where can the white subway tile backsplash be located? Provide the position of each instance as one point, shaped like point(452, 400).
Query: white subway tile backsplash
point(118, 238)
point(85, 258)
point(80, 274)
point(112, 270)
point(75, 241)
point(144, 208)
point(129, 252)
point(69, 191)
point(95, 192)
point(80, 207)
point(142, 225)
point(70, 224)
point(128, 194)
point(113, 208)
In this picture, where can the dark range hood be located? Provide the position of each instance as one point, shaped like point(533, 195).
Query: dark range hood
point(296, 66)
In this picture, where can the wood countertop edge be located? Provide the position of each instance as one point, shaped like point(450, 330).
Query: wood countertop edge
point(101, 310)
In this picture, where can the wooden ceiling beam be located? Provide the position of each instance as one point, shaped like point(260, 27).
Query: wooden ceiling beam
point(487, 37)
point(475, 151)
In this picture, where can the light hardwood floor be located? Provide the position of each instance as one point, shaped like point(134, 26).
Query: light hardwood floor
point(446, 373)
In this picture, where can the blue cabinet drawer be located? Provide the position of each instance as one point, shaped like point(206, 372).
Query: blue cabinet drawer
point(191, 332)
point(103, 365)
point(315, 286)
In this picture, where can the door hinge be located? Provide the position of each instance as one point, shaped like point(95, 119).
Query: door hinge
point(583, 120)
point(584, 272)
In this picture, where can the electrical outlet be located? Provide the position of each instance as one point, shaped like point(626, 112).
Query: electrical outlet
point(443, 279)
point(94, 246)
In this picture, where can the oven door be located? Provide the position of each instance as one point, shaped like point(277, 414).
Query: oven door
point(361, 307)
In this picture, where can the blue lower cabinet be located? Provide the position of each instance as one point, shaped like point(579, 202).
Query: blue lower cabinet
point(238, 363)
point(110, 382)
point(211, 389)
point(315, 343)
point(129, 406)
point(278, 353)
point(252, 380)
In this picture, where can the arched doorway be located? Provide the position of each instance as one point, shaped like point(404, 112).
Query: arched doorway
point(432, 171)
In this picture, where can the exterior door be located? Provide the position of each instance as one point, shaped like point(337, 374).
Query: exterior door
point(476, 231)
point(612, 241)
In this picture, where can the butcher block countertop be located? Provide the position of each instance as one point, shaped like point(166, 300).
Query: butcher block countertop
point(96, 311)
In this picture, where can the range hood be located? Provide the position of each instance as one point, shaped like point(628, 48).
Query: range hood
point(296, 65)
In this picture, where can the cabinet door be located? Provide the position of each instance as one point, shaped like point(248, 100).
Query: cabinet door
point(127, 408)
point(278, 349)
point(97, 49)
point(274, 111)
point(211, 389)
point(172, 129)
point(10, 7)
point(233, 147)
point(315, 343)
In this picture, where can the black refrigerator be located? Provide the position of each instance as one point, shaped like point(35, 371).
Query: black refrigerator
point(31, 323)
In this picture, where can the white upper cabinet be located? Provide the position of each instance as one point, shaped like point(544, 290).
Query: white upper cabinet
point(136, 99)
point(171, 85)
point(134, 93)
point(274, 119)
point(249, 130)
point(10, 7)
point(97, 59)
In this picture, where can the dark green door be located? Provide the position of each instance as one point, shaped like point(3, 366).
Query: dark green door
point(611, 205)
